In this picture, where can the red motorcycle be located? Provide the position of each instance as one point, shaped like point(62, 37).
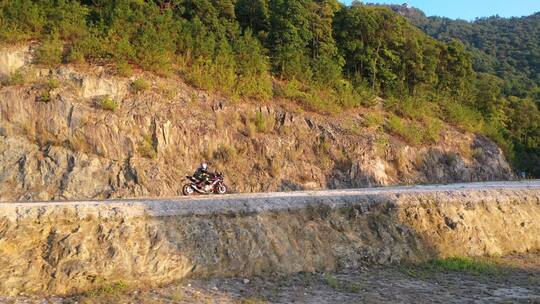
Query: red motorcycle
point(214, 185)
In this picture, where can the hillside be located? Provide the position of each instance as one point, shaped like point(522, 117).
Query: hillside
point(74, 132)
point(111, 99)
point(506, 47)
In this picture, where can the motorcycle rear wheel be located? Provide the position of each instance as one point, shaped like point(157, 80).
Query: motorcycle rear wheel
point(187, 190)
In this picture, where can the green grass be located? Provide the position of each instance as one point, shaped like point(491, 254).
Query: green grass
point(414, 132)
point(432, 129)
point(352, 126)
point(113, 288)
point(353, 287)
point(261, 123)
point(454, 264)
point(373, 119)
point(314, 98)
point(464, 264)
point(407, 130)
point(214, 76)
point(332, 281)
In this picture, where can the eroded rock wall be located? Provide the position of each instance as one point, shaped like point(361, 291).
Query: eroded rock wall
point(69, 147)
point(71, 247)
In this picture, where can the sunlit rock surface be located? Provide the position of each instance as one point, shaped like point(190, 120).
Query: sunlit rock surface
point(69, 247)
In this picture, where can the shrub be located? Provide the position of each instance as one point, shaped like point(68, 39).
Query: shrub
point(276, 165)
point(50, 51)
point(346, 95)
point(20, 20)
point(322, 150)
point(16, 78)
point(106, 103)
point(108, 289)
point(75, 55)
point(220, 121)
point(52, 84)
point(251, 129)
point(44, 96)
point(140, 85)
point(382, 142)
point(258, 87)
point(332, 281)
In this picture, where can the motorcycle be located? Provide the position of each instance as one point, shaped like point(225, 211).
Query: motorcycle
point(215, 185)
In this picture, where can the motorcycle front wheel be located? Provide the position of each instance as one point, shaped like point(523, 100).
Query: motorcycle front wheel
point(188, 190)
point(221, 189)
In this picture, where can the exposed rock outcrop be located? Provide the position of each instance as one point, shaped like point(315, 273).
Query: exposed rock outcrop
point(71, 247)
point(68, 147)
point(14, 58)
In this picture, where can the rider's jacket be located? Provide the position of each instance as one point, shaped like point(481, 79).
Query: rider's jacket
point(201, 174)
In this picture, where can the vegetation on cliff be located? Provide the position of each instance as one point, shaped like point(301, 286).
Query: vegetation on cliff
point(325, 56)
point(506, 55)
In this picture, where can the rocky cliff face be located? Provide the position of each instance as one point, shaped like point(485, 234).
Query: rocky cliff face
point(57, 142)
point(71, 247)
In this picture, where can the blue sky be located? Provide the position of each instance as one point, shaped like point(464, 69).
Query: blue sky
point(469, 9)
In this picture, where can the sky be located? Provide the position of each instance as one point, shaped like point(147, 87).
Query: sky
point(469, 9)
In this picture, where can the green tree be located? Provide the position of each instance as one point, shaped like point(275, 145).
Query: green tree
point(254, 14)
point(327, 63)
point(290, 37)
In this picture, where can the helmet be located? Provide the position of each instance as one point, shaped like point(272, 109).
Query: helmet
point(204, 166)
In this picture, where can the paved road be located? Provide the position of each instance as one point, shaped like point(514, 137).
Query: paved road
point(525, 184)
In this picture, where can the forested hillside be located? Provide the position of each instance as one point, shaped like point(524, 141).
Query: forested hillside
point(506, 47)
point(320, 54)
point(509, 48)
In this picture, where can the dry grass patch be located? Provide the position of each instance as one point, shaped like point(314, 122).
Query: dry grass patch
point(225, 154)
point(352, 126)
point(373, 119)
point(146, 148)
point(139, 85)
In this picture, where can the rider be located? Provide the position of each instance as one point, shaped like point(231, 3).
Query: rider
point(202, 175)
